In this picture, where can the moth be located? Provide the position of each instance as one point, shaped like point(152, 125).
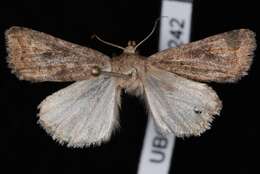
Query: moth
point(171, 82)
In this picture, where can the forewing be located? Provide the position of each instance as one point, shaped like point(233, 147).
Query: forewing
point(224, 57)
point(37, 56)
point(83, 114)
point(178, 105)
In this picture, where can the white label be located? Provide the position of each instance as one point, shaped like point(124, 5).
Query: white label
point(156, 152)
point(174, 30)
point(175, 27)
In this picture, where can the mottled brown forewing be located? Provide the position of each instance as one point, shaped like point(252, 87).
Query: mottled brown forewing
point(37, 56)
point(85, 113)
point(224, 57)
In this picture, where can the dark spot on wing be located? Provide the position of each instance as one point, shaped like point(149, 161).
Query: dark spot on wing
point(197, 110)
point(47, 55)
point(232, 39)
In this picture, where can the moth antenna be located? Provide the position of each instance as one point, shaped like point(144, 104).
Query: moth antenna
point(105, 42)
point(154, 27)
point(118, 75)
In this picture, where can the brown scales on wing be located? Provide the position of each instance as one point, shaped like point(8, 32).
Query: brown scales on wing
point(178, 105)
point(221, 58)
point(37, 56)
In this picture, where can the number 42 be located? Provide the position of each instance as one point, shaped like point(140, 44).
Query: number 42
point(176, 31)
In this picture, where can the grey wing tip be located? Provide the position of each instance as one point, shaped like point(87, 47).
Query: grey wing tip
point(10, 48)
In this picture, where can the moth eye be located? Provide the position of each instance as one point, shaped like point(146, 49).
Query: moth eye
point(197, 110)
point(95, 71)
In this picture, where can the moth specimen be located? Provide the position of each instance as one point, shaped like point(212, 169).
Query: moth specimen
point(86, 112)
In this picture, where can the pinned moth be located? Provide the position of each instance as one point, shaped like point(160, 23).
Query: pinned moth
point(171, 82)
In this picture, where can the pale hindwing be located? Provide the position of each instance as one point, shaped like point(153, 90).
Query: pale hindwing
point(178, 105)
point(36, 56)
point(82, 114)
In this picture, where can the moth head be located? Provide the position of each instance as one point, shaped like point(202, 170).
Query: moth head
point(131, 47)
